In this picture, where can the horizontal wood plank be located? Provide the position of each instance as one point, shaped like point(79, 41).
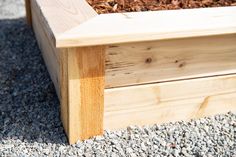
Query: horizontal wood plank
point(158, 61)
point(154, 25)
point(169, 101)
point(49, 52)
point(73, 23)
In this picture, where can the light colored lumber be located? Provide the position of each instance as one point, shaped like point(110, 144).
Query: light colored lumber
point(157, 61)
point(49, 52)
point(67, 30)
point(146, 26)
point(56, 62)
point(59, 16)
point(86, 70)
point(73, 23)
point(64, 89)
point(28, 12)
point(169, 101)
point(77, 74)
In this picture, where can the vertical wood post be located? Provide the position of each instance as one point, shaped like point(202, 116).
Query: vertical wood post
point(28, 12)
point(85, 108)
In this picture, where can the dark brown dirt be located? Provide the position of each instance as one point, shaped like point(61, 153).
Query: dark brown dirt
point(119, 6)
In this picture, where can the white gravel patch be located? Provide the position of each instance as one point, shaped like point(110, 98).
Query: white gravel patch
point(12, 9)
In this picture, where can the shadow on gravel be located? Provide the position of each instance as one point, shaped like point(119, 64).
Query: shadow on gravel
point(29, 108)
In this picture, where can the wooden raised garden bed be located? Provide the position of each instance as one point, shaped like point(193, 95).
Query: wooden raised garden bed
point(138, 68)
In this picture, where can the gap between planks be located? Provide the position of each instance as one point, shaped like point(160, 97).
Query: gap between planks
point(169, 101)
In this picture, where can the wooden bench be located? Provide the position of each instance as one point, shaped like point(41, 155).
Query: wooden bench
point(115, 70)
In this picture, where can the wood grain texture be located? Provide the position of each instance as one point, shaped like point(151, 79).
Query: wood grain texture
point(158, 61)
point(58, 16)
point(56, 62)
point(49, 52)
point(28, 12)
point(86, 70)
point(64, 89)
point(147, 26)
point(79, 73)
point(73, 23)
point(170, 101)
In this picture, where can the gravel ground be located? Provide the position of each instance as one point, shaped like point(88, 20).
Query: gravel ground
point(11, 9)
point(29, 111)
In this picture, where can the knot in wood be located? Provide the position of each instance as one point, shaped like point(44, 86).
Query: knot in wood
point(148, 60)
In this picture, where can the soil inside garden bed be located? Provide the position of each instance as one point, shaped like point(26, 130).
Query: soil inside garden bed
point(119, 6)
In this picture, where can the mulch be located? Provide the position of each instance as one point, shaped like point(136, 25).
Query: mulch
point(121, 6)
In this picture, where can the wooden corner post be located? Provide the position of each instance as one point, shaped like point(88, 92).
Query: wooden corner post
point(83, 101)
point(28, 12)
